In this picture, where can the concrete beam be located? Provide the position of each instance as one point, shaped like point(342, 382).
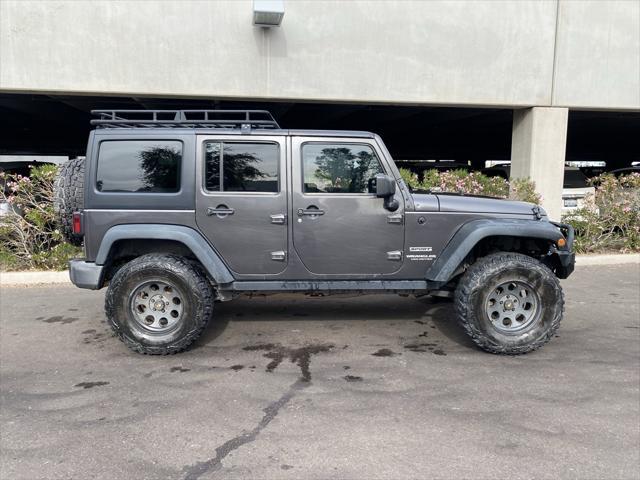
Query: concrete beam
point(538, 147)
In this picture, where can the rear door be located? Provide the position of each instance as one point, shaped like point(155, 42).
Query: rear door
point(339, 225)
point(241, 201)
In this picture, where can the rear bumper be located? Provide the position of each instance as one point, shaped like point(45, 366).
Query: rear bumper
point(85, 274)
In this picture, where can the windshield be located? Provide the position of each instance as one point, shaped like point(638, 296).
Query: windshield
point(575, 179)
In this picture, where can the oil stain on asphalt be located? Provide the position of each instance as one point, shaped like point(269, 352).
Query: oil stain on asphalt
point(60, 319)
point(300, 356)
point(179, 369)
point(86, 385)
point(93, 337)
point(424, 347)
point(384, 352)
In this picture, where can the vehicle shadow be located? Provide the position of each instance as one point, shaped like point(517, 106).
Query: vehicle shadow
point(435, 314)
point(443, 316)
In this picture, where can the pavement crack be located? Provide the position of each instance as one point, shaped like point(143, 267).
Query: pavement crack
point(198, 469)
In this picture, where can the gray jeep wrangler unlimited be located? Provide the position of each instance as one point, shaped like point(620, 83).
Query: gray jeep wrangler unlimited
point(180, 209)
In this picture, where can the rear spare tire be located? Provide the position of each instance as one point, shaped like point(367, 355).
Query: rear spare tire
point(69, 197)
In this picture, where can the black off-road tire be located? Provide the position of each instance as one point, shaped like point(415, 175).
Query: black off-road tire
point(197, 293)
point(69, 197)
point(476, 286)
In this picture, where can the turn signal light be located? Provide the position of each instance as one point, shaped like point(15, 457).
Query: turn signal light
point(77, 223)
point(561, 242)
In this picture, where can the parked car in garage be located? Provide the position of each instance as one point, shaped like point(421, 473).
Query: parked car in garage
point(574, 189)
point(626, 171)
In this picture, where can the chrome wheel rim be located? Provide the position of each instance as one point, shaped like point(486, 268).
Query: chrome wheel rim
point(512, 306)
point(157, 306)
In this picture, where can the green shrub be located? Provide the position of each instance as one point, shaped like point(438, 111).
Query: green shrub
point(29, 237)
point(463, 182)
point(524, 190)
point(471, 183)
point(410, 178)
point(611, 219)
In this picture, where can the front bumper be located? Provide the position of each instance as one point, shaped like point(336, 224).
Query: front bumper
point(566, 256)
point(86, 274)
point(567, 263)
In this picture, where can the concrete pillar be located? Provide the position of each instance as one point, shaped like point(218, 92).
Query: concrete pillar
point(538, 146)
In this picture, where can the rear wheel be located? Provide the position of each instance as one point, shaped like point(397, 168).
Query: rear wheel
point(159, 304)
point(509, 303)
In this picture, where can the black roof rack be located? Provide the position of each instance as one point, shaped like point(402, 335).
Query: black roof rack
point(229, 119)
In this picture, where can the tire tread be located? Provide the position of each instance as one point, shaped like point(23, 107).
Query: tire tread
point(69, 197)
point(198, 283)
point(476, 275)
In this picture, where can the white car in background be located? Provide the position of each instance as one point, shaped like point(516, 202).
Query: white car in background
point(576, 191)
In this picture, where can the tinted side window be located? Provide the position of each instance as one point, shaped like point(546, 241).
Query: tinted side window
point(133, 166)
point(246, 167)
point(339, 168)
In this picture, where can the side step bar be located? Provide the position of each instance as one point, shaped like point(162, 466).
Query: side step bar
point(330, 286)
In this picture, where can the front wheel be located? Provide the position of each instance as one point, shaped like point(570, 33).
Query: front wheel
point(159, 304)
point(509, 303)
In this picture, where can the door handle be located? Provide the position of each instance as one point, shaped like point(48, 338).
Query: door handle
point(278, 218)
point(220, 211)
point(395, 218)
point(310, 211)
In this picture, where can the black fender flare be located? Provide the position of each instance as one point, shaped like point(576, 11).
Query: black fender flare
point(189, 237)
point(469, 234)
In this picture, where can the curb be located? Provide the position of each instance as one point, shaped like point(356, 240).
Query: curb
point(612, 259)
point(34, 278)
point(52, 278)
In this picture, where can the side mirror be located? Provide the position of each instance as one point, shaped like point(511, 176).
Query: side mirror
point(386, 188)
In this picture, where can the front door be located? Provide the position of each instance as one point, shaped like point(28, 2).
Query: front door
point(339, 225)
point(241, 201)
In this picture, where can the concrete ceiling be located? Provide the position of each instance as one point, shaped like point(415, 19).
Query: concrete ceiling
point(52, 124)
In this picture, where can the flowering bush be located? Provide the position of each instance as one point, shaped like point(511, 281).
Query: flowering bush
point(472, 183)
point(29, 237)
point(610, 222)
point(524, 190)
point(614, 223)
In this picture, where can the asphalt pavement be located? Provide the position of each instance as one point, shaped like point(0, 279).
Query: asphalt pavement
point(344, 387)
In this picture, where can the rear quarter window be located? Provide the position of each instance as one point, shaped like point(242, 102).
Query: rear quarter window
point(139, 166)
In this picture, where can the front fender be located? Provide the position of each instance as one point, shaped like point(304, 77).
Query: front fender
point(472, 232)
